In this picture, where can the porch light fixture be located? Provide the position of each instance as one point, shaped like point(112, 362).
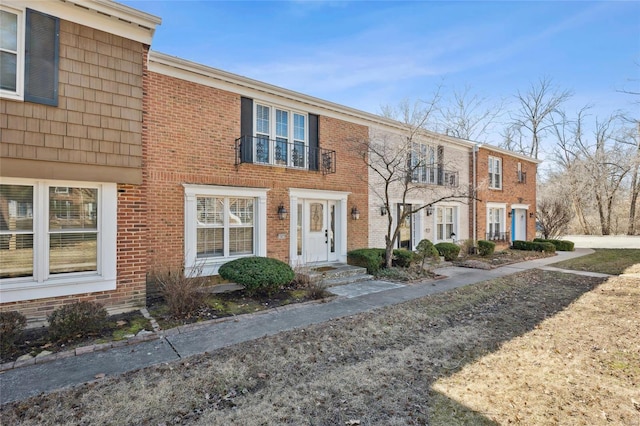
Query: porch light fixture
point(355, 213)
point(509, 213)
point(282, 212)
point(452, 236)
point(383, 211)
point(429, 210)
point(531, 215)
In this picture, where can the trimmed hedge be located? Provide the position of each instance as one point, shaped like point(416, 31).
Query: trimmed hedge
point(403, 258)
point(561, 245)
point(370, 258)
point(486, 248)
point(534, 246)
point(450, 251)
point(258, 275)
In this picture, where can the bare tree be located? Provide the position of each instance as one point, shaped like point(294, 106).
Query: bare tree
point(533, 116)
point(469, 116)
point(553, 215)
point(393, 163)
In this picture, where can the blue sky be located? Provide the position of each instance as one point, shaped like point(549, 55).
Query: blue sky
point(367, 54)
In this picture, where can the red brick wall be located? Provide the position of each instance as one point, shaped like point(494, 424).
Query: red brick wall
point(189, 135)
point(512, 191)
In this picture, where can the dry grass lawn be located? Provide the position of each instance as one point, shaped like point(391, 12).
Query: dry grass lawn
point(532, 348)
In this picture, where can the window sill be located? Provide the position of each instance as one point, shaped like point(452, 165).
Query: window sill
point(55, 287)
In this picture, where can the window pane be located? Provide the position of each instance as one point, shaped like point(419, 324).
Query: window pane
point(16, 208)
point(73, 252)
point(449, 212)
point(210, 242)
point(281, 151)
point(240, 241)
point(316, 221)
point(262, 119)
point(262, 149)
point(297, 154)
point(16, 255)
point(8, 31)
point(73, 208)
point(240, 211)
point(282, 123)
point(8, 64)
point(299, 230)
point(210, 211)
point(299, 132)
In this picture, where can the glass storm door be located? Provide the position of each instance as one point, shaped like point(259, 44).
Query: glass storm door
point(406, 227)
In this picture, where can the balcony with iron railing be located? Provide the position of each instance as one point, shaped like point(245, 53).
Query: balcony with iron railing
point(280, 152)
point(498, 236)
point(435, 176)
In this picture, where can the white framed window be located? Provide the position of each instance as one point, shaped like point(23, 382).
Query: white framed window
point(56, 243)
point(496, 222)
point(446, 223)
point(424, 163)
point(11, 53)
point(29, 55)
point(281, 136)
point(495, 173)
point(222, 224)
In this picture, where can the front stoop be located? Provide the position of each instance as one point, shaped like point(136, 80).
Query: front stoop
point(332, 274)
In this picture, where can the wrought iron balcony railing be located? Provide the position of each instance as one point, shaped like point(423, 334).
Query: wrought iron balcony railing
point(497, 236)
point(435, 176)
point(280, 152)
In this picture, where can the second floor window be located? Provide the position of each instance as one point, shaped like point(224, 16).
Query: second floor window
point(423, 163)
point(29, 56)
point(281, 136)
point(495, 173)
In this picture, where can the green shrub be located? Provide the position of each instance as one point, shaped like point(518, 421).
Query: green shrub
point(12, 324)
point(450, 251)
point(561, 245)
point(258, 275)
point(486, 248)
point(534, 246)
point(403, 258)
point(78, 319)
point(182, 294)
point(370, 258)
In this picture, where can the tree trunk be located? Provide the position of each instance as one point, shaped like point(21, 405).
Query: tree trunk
point(635, 189)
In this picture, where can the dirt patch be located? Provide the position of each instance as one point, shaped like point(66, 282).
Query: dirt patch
point(403, 365)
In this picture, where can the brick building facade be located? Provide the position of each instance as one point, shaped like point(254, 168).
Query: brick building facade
point(505, 209)
point(71, 202)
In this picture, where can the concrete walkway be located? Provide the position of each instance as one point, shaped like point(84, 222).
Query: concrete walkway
point(23, 382)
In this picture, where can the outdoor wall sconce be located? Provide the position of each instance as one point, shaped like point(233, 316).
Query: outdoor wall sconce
point(509, 213)
point(282, 212)
point(452, 236)
point(429, 210)
point(532, 215)
point(383, 211)
point(355, 213)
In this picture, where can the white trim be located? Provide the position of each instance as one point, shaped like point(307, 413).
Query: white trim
point(210, 266)
point(108, 16)
point(496, 205)
point(42, 285)
point(520, 206)
point(503, 151)
point(18, 95)
point(297, 195)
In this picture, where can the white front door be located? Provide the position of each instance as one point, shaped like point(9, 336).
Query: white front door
point(318, 235)
point(519, 227)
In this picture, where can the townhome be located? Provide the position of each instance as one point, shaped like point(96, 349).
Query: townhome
point(437, 186)
point(505, 209)
point(72, 210)
point(236, 167)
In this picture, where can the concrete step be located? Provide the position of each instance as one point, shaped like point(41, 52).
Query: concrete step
point(333, 274)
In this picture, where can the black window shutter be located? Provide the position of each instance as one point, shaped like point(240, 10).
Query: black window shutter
point(314, 145)
point(41, 58)
point(246, 130)
point(440, 165)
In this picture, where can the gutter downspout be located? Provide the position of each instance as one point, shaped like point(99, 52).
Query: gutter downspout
point(475, 194)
